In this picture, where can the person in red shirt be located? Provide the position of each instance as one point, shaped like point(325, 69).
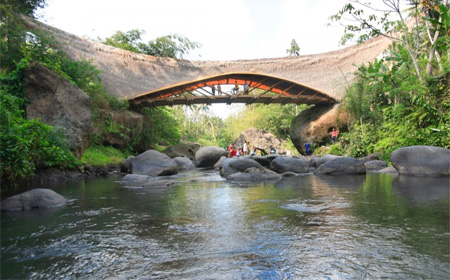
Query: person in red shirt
point(231, 151)
point(334, 135)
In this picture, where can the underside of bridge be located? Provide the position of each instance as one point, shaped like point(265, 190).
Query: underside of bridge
point(205, 90)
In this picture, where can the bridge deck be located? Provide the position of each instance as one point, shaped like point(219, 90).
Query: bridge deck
point(199, 91)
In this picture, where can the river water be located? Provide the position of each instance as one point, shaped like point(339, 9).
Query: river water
point(202, 227)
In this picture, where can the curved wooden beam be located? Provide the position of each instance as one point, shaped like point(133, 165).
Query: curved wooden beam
point(285, 91)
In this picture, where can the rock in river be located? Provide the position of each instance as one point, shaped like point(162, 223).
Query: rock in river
point(289, 164)
point(341, 165)
point(35, 198)
point(254, 174)
point(234, 165)
point(183, 163)
point(422, 161)
point(209, 155)
point(153, 163)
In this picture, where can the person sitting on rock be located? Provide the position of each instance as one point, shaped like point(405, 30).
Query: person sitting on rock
point(272, 150)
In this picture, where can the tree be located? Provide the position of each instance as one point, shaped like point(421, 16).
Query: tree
point(294, 50)
point(381, 22)
point(174, 46)
point(25, 7)
point(127, 41)
point(12, 33)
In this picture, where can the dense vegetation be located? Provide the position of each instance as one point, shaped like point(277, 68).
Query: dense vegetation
point(25, 144)
point(403, 98)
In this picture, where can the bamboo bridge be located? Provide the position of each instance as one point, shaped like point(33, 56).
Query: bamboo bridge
point(148, 81)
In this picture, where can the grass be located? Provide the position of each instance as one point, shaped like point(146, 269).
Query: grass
point(102, 156)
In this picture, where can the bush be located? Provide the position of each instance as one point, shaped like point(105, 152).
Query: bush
point(26, 144)
point(102, 156)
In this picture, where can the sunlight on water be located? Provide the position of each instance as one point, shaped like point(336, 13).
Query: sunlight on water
point(202, 227)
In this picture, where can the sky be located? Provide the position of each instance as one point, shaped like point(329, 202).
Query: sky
point(227, 30)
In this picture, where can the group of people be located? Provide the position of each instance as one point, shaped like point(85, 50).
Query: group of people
point(232, 152)
point(235, 88)
point(219, 89)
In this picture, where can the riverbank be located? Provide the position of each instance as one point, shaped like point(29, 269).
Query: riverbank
point(50, 175)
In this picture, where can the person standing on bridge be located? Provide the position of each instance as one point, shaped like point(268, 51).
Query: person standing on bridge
point(219, 90)
point(236, 87)
point(246, 87)
point(213, 88)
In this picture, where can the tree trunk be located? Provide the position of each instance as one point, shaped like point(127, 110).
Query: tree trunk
point(408, 47)
point(433, 49)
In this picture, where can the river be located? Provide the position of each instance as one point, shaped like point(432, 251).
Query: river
point(202, 227)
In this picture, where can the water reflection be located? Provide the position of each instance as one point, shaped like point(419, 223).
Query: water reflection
point(201, 227)
point(422, 188)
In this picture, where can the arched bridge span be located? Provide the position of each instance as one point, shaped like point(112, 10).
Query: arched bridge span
point(211, 89)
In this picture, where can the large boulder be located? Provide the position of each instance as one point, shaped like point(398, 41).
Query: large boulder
point(371, 157)
point(375, 165)
point(153, 163)
point(318, 161)
point(183, 164)
point(35, 198)
point(208, 156)
point(315, 124)
point(233, 165)
point(254, 174)
point(263, 160)
point(59, 103)
point(289, 164)
point(260, 139)
point(422, 161)
point(125, 165)
point(182, 150)
point(341, 165)
point(388, 170)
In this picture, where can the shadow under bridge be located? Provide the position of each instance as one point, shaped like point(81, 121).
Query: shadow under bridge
point(251, 88)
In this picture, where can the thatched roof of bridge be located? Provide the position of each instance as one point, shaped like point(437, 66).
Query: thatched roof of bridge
point(127, 74)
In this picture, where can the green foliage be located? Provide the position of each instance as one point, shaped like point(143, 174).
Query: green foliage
point(165, 128)
point(102, 156)
point(174, 46)
point(272, 118)
point(27, 144)
point(197, 124)
point(336, 149)
point(127, 41)
point(25, 7)
point(321, 151)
